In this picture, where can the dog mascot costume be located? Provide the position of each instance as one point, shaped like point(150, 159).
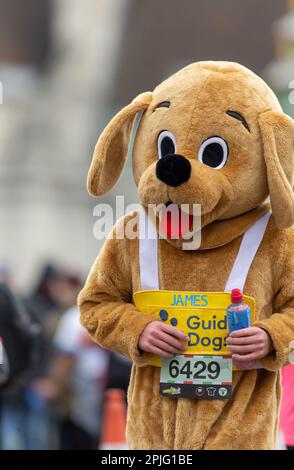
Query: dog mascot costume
point(213, 134)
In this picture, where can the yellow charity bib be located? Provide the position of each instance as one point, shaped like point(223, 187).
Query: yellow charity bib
point(200, 315)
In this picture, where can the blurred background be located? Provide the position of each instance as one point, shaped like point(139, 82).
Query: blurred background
point(66, 68)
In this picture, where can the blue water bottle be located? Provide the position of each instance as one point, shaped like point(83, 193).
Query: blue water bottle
point(238, 313)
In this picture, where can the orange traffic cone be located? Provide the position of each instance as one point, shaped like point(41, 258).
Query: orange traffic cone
point(114, 421)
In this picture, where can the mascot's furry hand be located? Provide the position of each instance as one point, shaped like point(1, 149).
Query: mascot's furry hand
point(248, 345)
point(164, 340)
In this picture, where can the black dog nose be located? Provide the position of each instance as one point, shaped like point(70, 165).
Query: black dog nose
point(173, 169)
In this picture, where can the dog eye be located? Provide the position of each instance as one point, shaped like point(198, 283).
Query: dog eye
point(166, 144)
point(214, 152)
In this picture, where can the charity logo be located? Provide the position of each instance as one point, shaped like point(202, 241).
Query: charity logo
point(200, 391)
point(195, 325)
point(172, 390)
point(223, 391)
point(164, 317)
point(211, 391)
point(291, 352)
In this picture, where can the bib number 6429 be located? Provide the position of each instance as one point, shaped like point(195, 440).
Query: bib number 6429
point(199, 370)
point(194, 376)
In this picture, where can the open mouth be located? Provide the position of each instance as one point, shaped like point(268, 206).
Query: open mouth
point(174, 221)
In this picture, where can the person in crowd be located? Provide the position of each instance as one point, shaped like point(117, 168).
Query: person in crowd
point(56, 291)
point(19, 334)
point(28, 419)
point(77, 379)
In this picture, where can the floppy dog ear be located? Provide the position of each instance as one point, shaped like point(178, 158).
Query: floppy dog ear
point(277, 130)
point(112, 147)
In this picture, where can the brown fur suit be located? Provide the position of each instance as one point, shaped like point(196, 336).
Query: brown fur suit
point(260, 163)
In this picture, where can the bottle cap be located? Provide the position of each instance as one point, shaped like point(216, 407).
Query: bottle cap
point(236, 296)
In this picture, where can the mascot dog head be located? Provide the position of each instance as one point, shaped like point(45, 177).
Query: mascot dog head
point(213, 134)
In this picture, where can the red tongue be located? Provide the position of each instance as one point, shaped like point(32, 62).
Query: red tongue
point(174, 222)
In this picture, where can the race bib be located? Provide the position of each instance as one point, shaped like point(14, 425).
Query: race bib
point(188, 376)
point(201, 315)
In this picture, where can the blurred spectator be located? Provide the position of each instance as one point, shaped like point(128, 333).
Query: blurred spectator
point(28, 420)
point(6, 276)
point(55, 291)
point(77, 380)
point(18, 333)
point(119, 372)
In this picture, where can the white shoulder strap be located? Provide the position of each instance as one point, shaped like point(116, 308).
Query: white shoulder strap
point(148, 255)
point(249, 245)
